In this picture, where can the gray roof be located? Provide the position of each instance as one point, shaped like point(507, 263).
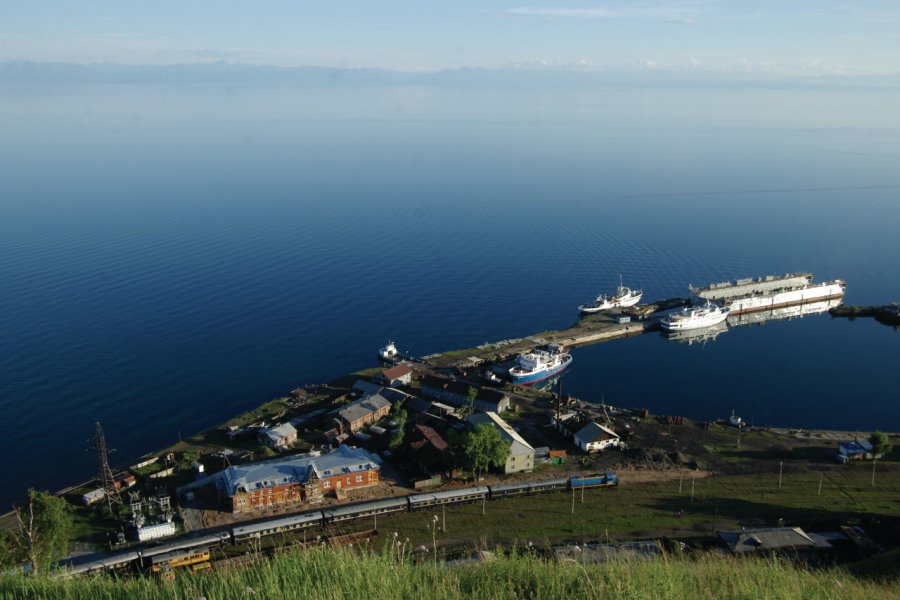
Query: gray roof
point(770, 538)
point(362, 407)
point(593, 432)
point(279, 431)
point(366, 387)
point(518, 444)
point(277, 472)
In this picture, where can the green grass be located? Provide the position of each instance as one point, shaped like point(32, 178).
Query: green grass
point(374, 575)
point(648, 510)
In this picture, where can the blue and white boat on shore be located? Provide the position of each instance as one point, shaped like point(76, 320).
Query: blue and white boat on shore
point(539, 365)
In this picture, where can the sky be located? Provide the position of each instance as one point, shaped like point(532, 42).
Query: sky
point(783, 37)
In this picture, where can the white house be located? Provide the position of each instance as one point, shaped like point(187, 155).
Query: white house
point(280, 436)
point(594, 437)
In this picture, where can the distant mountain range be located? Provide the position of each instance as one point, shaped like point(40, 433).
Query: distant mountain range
point(243, 74)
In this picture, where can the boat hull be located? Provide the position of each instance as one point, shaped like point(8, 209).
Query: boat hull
point(695, 323)
point(538, 376)
point(814, 293)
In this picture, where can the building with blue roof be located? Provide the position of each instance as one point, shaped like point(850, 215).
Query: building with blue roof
point(296, 480)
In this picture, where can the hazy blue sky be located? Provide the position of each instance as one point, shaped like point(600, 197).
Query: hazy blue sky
point(761, 35)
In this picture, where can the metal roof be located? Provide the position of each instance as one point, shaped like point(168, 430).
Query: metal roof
point(506, 431)
point(274, 473)
point(770, 538)
point(593, 432)
point(363, 407)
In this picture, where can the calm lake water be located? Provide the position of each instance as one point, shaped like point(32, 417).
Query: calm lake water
point(170, 257)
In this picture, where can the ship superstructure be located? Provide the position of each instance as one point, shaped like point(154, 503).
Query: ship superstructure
point(623, 298)
point(770, 292)
point(695, 317)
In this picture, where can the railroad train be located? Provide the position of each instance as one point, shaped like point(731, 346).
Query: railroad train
point(193, 552)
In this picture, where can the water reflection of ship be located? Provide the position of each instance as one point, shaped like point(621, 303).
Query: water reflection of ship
point(697, 336)
point(788, 312)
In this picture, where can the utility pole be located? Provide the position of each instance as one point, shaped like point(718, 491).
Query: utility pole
point(692, 489)
point(874, 460)
point(444, 519)
point(573, 501)
point(680, 480)
point(780, 472)
point(105, 475)
point(821, 478)
point(582, 494)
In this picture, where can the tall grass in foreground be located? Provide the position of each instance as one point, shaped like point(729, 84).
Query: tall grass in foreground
point(332, 574)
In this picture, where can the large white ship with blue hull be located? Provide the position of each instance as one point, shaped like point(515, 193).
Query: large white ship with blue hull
point(539, 365)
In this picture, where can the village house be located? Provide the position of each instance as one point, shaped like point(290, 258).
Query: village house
point(457, 393)
point(588, 435)
point(594, 437)
point(365, 411)
point(397, 375)
point(430, 451)
point(297, 480)
point(521, 454)
point(278, 437)
point(855, 450)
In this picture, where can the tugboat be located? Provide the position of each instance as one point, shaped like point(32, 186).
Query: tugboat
point(539, 365)
point(623, 298)
point(389, 352)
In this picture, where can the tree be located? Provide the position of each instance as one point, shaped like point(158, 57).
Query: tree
point(881, 444)
point(484, 448)
point(397, 438)
point(44, 527)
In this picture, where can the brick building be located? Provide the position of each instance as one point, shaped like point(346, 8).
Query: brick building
point(302, 479)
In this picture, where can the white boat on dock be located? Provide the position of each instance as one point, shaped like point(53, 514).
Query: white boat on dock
point(695, 317)
point(623, 298)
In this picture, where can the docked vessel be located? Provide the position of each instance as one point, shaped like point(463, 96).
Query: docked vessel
point(539, 365)
point(789, 312)
point(695, 317)
point(389, 352)
point(623, 298)
point(697, 336)
point(770, 292)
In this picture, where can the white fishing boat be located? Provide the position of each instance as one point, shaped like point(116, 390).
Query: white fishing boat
point(623, 298)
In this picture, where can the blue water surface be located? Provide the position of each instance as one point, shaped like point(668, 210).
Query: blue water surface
point(172, 256)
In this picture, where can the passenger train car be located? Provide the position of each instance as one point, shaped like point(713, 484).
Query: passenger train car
point(193, 552)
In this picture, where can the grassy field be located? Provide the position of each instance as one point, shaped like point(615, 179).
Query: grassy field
point(654, 509)
point(352, 574)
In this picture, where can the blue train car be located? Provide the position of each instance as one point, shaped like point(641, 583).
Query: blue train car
point(608, 479)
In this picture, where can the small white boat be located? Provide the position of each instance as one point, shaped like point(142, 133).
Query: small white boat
point(623, 298)
point(695, 317)
point(389, 352)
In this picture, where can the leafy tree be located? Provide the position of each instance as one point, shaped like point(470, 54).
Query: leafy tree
point(881, 444)
point(44, 526)
point(397, 439)
point(484, 448)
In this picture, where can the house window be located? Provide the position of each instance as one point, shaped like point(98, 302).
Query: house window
point(327, 484)
point(372, 475)
point(359, 479)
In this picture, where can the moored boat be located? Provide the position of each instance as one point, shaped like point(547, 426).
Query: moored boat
point(695, 317)
point(771, 292)
point(539, 365)
point(623, 298)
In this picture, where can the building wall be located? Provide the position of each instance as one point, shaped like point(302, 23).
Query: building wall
point(352, 480)
point(282, 495)
point(517, 463)
point(368, 419)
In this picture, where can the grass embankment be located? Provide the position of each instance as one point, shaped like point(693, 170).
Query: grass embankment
point(720, 502)
point(348, 574)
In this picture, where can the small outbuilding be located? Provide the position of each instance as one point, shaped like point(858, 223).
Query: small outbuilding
point(594, 437)
point(280, 436)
